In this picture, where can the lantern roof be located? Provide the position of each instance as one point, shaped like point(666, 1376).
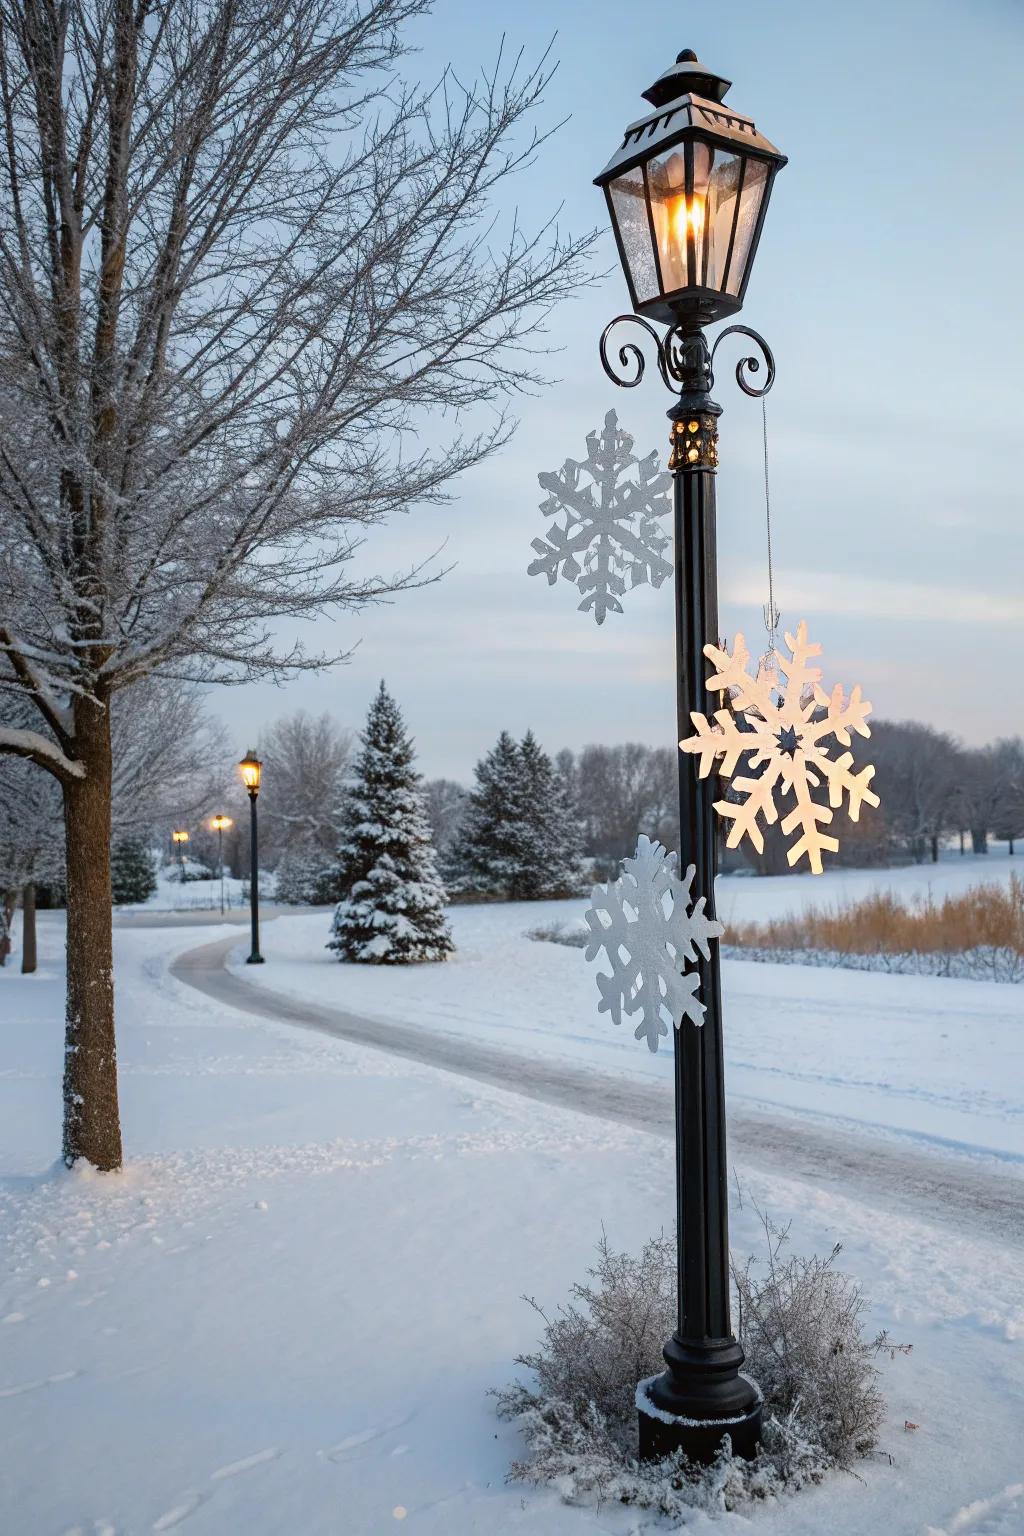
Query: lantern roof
point(688, 103)
point(686, 77)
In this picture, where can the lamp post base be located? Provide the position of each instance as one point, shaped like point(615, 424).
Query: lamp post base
point(698, 1435)
point(254, 960)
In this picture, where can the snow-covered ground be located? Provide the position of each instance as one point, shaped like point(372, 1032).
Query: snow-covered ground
point(174, 895)
point(746, 898)
point(285, 1314)
point(940, 1059)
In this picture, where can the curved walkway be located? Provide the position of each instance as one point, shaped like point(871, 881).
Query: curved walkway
point(888, 1172)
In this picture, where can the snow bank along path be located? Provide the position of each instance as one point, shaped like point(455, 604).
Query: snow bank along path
point(968, 1193)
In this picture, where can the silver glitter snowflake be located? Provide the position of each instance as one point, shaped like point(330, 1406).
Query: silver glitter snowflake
point(649, 932)
point(610, 538)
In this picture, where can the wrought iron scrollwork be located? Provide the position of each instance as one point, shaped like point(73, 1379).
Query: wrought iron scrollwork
point(749, 364)
point(630, 355)
point(684, 361)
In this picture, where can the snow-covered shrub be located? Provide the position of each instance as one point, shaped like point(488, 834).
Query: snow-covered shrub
point(132, 870)
point(307, 877)
point(801, 1324)
point(987, 963)
point(573, 935)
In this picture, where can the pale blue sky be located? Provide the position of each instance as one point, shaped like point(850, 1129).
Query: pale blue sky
point(888, 284)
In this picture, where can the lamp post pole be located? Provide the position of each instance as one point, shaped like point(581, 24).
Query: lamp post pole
point(255, 958)
point(702, 1396)
point(702, 1383)
point(251, 769)
point(180, 839)
point(219, 823)
point(687, 192)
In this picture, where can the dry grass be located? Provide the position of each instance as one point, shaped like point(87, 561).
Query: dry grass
point(987, 917)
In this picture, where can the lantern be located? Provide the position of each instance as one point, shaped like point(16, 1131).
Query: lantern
point(687, 193)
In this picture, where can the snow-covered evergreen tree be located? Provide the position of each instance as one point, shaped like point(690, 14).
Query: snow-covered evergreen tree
point(519, 839)
point(552, 865)
point(394, 913)
point(307, 877)
point(490, 848)
point(132, 873)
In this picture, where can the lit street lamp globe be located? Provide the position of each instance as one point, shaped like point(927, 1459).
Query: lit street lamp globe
point(251, 770)
point(687, 192)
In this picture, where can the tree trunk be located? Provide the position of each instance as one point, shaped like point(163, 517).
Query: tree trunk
point(92, 1127)
point(962, 849)
point(935, 850)
point(979, 839)
point(28, 929)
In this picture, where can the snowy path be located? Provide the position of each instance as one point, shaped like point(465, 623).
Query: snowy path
point(971, 1194)
point(287, 1311)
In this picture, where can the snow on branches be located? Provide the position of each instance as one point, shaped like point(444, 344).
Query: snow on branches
point(646, 915)
point(783, 731)
point(610, 536)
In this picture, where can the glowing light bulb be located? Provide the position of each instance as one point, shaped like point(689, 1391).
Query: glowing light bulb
point(687, 216)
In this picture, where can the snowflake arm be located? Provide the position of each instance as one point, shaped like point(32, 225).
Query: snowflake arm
point(785, 732)
point(650, 930)
point(610, 537)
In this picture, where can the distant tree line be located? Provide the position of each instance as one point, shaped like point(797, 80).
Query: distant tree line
point(932, 789)
point(531, 826)
point(537, 825)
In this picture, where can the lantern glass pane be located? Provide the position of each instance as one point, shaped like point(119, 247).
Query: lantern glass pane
point(719, 192)
point(629, 206)
point(755, 178)
point(666, 182)
point(703, 225)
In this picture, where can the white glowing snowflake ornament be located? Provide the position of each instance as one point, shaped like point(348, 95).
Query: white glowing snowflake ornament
point(610, 537)
point(784, 730)
point(646, 916)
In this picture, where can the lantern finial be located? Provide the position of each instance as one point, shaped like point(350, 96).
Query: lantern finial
point(687, 77)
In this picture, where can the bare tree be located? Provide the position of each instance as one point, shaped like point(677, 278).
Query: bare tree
point(621, 791)
point(167, 758)
point(1008, 821)
point(445, 802)
point(918, 773)
point(31, 836)
point(979, 793)
point(305, 760)
point(992, 792)
point(240, 265)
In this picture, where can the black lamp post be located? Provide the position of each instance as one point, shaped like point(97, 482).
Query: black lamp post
point(687, 193)
point(179, 839)
point(219, 824)
point(252, 771)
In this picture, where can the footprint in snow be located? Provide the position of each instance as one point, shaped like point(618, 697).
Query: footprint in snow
point(34, 1386)
point(234, 1468)
point(352, 1444)
point(187, 1505)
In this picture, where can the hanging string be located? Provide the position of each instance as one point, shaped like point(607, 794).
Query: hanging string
point(772, 617)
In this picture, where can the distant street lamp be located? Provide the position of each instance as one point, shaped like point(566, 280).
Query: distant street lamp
point(687, 192)
point(220, 825)
point(251, 770)
point(180, 838)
